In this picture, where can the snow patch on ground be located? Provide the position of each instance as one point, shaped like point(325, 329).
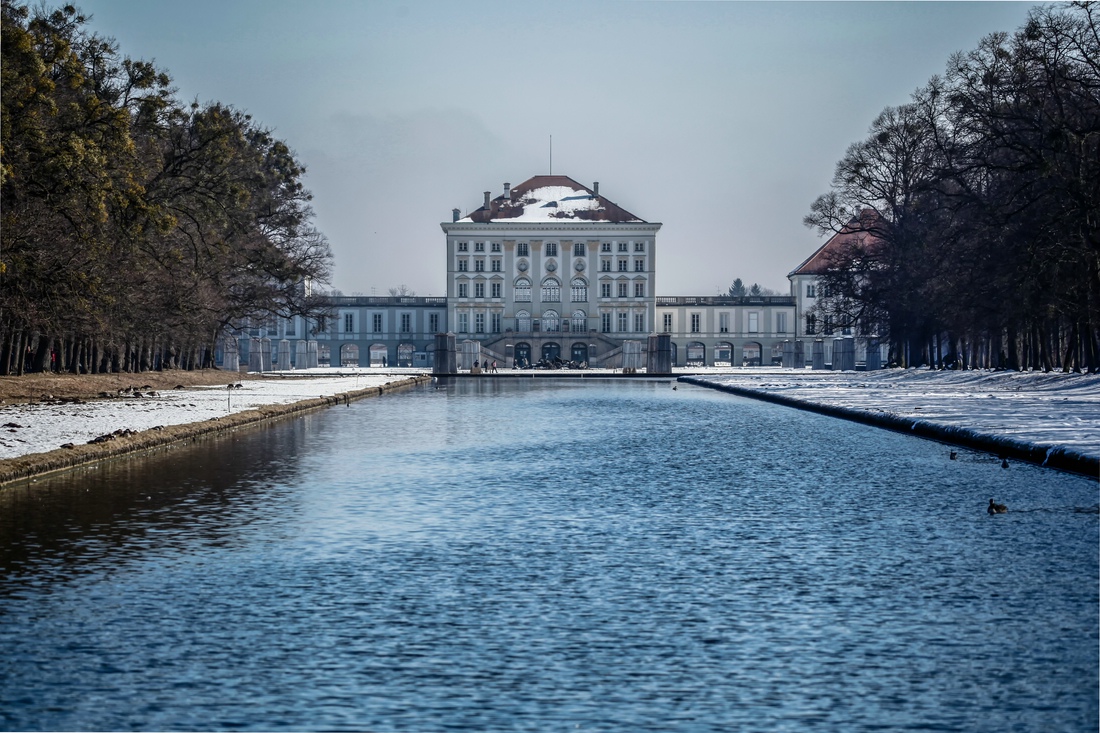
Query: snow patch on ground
point(1037, 408)
point(1046, 409)
point(46, 427)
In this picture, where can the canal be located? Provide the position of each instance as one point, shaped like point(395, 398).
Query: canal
point(551, 555)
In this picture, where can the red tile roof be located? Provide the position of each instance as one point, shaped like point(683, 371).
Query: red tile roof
point(860, 231)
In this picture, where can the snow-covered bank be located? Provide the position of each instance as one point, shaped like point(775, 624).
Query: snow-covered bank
point(38, 428)
point(1051, 412)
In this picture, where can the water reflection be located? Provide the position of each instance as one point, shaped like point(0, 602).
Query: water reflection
point(498, 554)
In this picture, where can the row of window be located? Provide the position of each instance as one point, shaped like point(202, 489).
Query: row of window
point(405, 323)
point(478, 246)
point(696, 322)
point(479, 265)
point(495, 265)
point(828, 328)
point(624, 264)
point(550, 322)
point(551, 293)
point(523, 249)
point(479, 290)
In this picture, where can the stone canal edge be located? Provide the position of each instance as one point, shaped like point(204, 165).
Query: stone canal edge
point(1051, 456)
point(63, 459)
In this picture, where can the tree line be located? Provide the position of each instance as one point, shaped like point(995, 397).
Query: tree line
point(739, 290)
point(136, 229)
point(971, 214)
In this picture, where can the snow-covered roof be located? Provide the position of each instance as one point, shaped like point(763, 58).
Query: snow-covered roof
point(550, 199)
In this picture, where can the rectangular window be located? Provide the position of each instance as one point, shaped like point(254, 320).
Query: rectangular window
point(494, 288)
point(827, 325)
point(479, 265)
point(495, 247)
point(639, 265)
point(463, 247)
point(463, 322)
point(322, 324)
point(479, 290)
point(433, 322)
point(622, 246)
point(496, 265)
point(754, 322)
point(291, 326)
point(522, 250)
point(479, 246)
point(463, 266)
point(622, 322)
point(605, 246)
point(639, 290)
point(667, 318)
point(695, 322)
point(639, 322)
point(495, 319)
point(622, 265)
point(639, 246)
point(463, 290)
point(376, 322)
point(622, 290)
point(780, 322)
point(406, 323)
point(479, 323)
point(578, 249)
point(605, 265)
point(605, 323)
point(811, 324)
point(724, 322)
point(551, 249)
point(810, 291)
point(605, 290)
point(349, 323)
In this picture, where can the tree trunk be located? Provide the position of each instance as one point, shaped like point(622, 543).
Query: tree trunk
point(42, 354)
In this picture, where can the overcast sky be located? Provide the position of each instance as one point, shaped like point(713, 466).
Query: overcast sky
point(722, 120)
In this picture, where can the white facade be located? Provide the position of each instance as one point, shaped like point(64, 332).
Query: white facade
point(551, 269)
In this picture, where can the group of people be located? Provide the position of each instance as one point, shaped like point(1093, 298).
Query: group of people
point(487, 366)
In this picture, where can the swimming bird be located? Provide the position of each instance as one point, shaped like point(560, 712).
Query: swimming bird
point(1004, 463)
point(997, 508)
point(954, 455)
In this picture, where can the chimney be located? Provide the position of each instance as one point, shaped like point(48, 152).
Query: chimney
point(454, 214)
point(507, 192)
point(487, 195)
point(596, 189)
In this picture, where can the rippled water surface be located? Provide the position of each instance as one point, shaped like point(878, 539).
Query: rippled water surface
point(531, 555)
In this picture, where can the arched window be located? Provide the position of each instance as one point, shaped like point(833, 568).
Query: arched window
point(578, 291)
point(349, 355)
point(523, 290)
point(551, 291)
point(523, 321)
point(522, 356)
point(580, 322)
point(751, 352)
point(550, 321)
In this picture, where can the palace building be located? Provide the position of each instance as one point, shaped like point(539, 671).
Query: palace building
point(551, 269)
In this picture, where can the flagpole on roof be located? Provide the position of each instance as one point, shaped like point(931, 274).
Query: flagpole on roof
point(551, 155)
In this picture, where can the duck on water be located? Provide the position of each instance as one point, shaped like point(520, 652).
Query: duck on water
point(997, 508)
